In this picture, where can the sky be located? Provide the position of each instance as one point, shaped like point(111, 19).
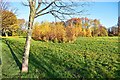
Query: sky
point(119, 9)
point(106, 12)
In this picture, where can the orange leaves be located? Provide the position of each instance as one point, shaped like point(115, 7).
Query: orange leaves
point(68, 31)
point(70, 34)
point(88, 33)
point(36, 32)
point(57, 32)
point(54, 32)
point(47, 31)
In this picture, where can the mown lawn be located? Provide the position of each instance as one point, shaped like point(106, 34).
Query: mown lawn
point(85, 58)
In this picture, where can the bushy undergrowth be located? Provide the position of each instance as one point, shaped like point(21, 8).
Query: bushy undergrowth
point(62, 32)
point(57, 32)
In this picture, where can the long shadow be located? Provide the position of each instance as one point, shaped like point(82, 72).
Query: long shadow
point(40, 64)
point(14, 56)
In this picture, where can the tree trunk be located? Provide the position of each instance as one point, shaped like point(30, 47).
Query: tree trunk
point(28, 41)
point(6, 35)
point(26, 53)
point(4, 32)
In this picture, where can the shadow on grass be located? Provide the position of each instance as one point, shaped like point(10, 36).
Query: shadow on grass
point(44, 62)
point(47, 63)
point(51, 65)
point(42, 65)
point(13, 54)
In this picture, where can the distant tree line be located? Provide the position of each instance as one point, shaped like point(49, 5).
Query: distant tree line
point(119, 25)
point(113, 31)
point(68, 31)
point(11, 26)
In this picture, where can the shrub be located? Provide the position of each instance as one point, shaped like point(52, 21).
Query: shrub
point(36, 32)
point(60, 32)
point(103, 32)
point(70, 34)
point(57, 32)
point(52, 33)
point(88, 33)
point(47, 31)
point(84, 32)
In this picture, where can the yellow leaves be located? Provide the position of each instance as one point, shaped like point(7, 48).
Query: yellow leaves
point(88, 33)
point(57, 32)
point(84, 32)
point(14, 27)
point(45, 27)
point(70, 34)
point(9, 22)
point(36, 31)
point(8, 18)
point(86, 24)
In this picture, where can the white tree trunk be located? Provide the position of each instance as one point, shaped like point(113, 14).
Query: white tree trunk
point(6, 34)
point(26, 53)
point(28, 41)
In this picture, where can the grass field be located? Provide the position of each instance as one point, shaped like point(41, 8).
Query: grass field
point(85, 58)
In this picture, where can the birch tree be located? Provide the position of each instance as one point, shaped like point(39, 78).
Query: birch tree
point(57, 8)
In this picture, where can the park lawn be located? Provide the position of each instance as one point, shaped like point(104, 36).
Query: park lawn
point(95, 57)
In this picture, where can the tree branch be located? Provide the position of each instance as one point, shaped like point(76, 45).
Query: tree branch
point(23, 3)
point(39, 4)
point(45, 7)
point(42, 14)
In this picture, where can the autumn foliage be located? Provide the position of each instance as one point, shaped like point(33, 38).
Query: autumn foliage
point(61, 32)
point(9, 22)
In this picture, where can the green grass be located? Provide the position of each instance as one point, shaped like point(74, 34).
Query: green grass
point(85, 58)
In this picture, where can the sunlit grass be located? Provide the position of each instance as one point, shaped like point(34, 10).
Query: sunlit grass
point(85, 58)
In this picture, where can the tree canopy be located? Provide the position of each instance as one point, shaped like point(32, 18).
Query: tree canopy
point(9, 21)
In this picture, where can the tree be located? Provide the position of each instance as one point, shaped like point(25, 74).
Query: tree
point(57, 8)
point(99, 31)
point(21, 22)
point(119, 25)
point(103, 31)
point(9, 22)
point(7, 14)
point(22, 27)
point(5, 5)
point(95, 27)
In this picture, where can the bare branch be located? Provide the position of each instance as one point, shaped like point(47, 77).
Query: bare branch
point(4, 5)
point(25, 4)
point(42, 14)
point(14, 10)
point(56, 16)
point(39, 4)
point(46, 7)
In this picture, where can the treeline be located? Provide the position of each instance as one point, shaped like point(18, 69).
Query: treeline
point(68, 31)
point(113, 31)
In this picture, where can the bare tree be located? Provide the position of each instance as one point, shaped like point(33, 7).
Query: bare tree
point(5, 5)
point(57, 8)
